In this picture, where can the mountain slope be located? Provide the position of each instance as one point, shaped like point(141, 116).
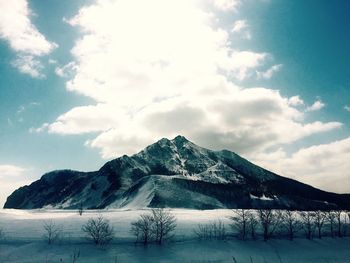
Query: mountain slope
point(174, 173)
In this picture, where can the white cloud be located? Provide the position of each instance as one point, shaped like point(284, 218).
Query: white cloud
point(43, 128)
point(86, 119)
point(243, 62)
point(295, 101)
point(10, 170)
point(347, 108)
point(226, 5)
point(239, 25)
point(325, 166)
point(152, 75)
point(23, 37)
point(10, 177)
point(246, 120)
point(28, 64)
point(316, 106)
point(66, 71)
point(52, 61)
point(269, 73)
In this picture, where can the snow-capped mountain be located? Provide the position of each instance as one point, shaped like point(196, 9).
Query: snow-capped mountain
point(174, 173)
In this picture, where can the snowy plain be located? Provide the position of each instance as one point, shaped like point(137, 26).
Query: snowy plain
point(24, 241)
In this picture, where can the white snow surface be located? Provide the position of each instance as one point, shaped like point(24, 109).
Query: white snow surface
point(142, 199)
point(263, 197)
point(24, 242)
point(218, 173)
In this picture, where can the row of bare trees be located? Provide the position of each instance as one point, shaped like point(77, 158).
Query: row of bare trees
point(98, 230)
point(157, 226)
point(288, 223)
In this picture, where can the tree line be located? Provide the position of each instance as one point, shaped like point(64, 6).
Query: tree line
point(158, 226)
point(288, 223)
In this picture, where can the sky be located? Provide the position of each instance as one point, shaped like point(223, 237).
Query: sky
point(83, 82)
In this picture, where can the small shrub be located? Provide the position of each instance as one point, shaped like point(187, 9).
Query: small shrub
point(214, 230)
point(80, 209)
point(203, 231)
point(98, 230)
point(75, 255)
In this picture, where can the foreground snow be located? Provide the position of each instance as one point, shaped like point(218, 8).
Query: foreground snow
point(24, 242)
point(300, 250)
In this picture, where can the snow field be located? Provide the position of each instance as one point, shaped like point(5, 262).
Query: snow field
point(24, 241)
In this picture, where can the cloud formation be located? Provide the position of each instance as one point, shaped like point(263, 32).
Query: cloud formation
point(152, 75)
point(241, 27)
point(10, 170)
point(325, 166)
point(269, 73)
point(23, 37)
point(10, 178)
point(28, 64)
point(226, 5)
point(316, 106)
point(295, 101)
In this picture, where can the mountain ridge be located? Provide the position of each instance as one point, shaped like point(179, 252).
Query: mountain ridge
point(174, 173)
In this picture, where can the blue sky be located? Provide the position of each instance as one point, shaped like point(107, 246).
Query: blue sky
point(86, 81)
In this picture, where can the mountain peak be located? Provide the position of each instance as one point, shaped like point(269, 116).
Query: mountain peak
point(178, 141)
point(180, 138)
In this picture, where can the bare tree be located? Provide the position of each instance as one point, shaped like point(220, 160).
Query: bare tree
point(142, 228)
point(80, 209)
point(320, 217)
point(252, 223)
point(308, 223)
point(240, 222)
point(338, 217)
point(346, 223)
point(268, 220)
point(348, 217)
point(52, 232)
point(331, 216)
point(290, 222)
point(98, 230)
point(164, 224)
